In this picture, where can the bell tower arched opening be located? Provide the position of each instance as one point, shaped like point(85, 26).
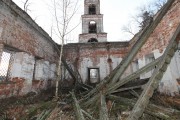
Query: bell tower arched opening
point(92, 9)
point(92, 27)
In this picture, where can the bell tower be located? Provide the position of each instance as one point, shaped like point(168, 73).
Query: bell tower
point(92, 23)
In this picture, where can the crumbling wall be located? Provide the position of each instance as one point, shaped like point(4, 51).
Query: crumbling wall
point(21, 32)
point(33, 57)
point(157, 43)
point(103, 56)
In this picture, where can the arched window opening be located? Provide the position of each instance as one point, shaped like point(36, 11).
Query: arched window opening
point(92, 9)
point(93, 40)
point(92, 27)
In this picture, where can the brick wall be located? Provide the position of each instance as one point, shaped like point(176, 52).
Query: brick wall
point(105, 56)
point(29, 44)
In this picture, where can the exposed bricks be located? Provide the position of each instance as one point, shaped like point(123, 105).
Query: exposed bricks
point(29, 43)
point(160, 37)
point(38, 85)
point(12, 88)
point(21, 32)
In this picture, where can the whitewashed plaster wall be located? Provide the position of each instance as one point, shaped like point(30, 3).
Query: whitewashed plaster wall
point(103, 65)
point(168, 84)
point(22, 66)
point(52, 72)
point(42, 70)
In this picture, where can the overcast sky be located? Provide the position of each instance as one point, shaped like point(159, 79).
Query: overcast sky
point(117, 13)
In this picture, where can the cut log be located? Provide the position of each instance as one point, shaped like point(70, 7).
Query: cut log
point(88, 115)
point(77, 109)
point(103, 110)
point(153, 110)
point(71, 72)
point(133, 76)
point(129, 88)
point(134, 93)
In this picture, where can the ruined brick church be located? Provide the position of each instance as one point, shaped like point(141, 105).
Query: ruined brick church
point(29, 56)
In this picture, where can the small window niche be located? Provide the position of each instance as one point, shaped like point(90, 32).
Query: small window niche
point(148, 59)
point(92, 27)
point(4, 65)
point(92, 9)
point(94, 76)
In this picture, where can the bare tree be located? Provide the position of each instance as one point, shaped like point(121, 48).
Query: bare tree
point(159, 3)
point(144, 16)
point(64, 11)
point(26, 5)
point(128, 29)
point(147, 18)
point(148, 11)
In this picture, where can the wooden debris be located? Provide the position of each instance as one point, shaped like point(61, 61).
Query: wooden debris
point(77, 109)
point(103, 110)
point(134, 93)
point(71, 72)
point(153, 110)
point(112, 88)
point(155, 78)
point(126, 89)
point(133, 76)
point(88, 115)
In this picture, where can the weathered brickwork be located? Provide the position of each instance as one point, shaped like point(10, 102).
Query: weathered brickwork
point(20, 31)
point(160, 37)
point(29, 44)
point(105, 56)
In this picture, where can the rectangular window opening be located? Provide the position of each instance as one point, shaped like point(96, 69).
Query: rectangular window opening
point(94, 76)
point(4, 65)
